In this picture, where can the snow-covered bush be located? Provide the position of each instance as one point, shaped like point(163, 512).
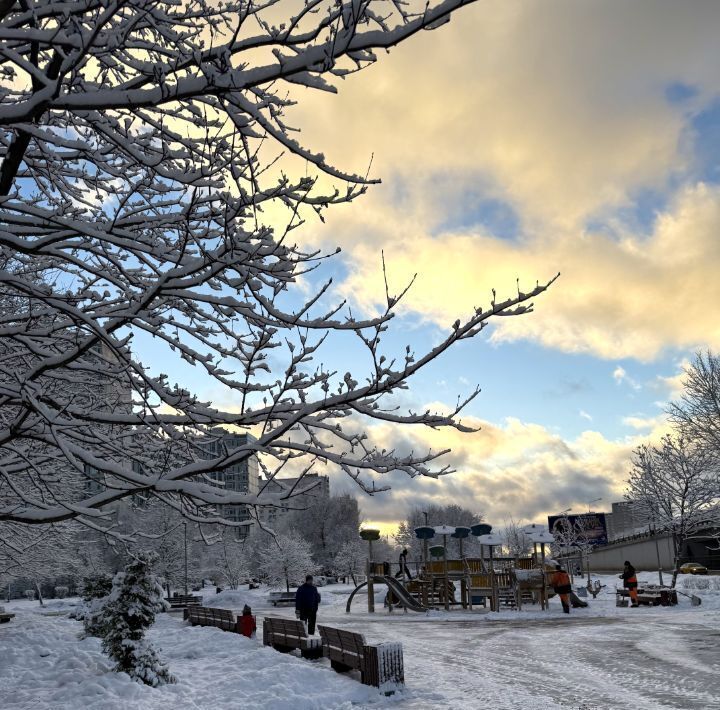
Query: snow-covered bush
point(30, 594)
point(61, 592)
point(94, 591)
point(127, 613)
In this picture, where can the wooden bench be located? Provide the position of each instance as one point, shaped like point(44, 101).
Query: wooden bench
point(380, 665)
point(205, 616)
point(182, 601)
point(5, 617)
point(286, 635)
point(276, 598)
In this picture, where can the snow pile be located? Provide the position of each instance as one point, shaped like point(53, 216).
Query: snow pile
point(230, 599)
point(693, 582)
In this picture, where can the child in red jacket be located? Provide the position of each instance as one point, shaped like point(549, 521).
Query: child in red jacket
point(247, 622)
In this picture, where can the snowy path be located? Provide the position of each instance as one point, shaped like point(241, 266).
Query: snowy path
point(594, 663)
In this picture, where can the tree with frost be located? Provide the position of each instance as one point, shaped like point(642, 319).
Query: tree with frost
point(230, 561)
point(287, 559)
point(515, 540)
point(161, 531)
point(574, 537)
point(350, 559)
point(151, 187)
point(675, 486)
point(696, 414)
point(327, 524)
point(435, 515)
point(44, 553)
point(128, 611)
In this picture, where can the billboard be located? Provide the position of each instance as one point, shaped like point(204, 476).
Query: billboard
point(590, 526)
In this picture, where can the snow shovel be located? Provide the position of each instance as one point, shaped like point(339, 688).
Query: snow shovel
point(694, 600)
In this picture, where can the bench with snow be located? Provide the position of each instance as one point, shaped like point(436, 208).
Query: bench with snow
point(380, 665)
point(286, 635)
point(205, 616)
point(5, 617)
point(276, 598)
point(182, 601)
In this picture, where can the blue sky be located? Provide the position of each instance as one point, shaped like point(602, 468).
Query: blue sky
point(520, 140)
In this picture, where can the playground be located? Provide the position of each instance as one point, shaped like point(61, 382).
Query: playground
point(442, 581)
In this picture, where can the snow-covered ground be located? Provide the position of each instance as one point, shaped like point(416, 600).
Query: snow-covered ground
point(603, 657)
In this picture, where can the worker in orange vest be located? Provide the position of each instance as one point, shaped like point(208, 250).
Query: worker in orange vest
point(560, 582)
point(247, 622)
point(629, 578)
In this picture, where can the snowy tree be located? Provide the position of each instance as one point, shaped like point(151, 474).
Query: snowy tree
point(286, 560)
point(162, 532)
point(350, 559)
point(434, 515)
point(675, 486)
point(46, 552)
point(327, 524)
point(150, 187)
point(515, 541)
point(128, 611)
point(696, 415)
point(230, 561)
point(572, 537)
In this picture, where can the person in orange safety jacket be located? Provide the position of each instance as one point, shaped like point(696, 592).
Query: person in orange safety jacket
point(560, 582)
point(630, 582)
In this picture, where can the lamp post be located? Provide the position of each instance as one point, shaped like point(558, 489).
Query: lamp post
point(186, 574)
point(590, 502)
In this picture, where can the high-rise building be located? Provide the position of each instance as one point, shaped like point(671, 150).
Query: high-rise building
point(242, 477)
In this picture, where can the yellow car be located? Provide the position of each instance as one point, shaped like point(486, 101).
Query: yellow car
point(693, 568)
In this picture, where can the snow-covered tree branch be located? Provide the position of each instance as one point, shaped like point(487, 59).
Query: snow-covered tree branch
point(150, 186)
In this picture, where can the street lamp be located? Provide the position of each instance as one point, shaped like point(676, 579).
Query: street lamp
point(186, 576)
point(590, 502)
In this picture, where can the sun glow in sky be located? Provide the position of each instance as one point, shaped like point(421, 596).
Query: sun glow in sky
point(521, 140)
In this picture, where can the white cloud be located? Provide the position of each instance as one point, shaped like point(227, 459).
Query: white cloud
point(516, 469)
point(585, 415)
point(565, 127)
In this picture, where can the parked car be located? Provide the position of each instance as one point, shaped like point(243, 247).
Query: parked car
point(693, 568)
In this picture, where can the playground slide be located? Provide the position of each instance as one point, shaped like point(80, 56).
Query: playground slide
point(406, 599)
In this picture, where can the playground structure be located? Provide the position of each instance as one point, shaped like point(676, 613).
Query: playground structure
point(464, 582)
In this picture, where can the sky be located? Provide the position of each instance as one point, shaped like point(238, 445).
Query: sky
point(520, 140)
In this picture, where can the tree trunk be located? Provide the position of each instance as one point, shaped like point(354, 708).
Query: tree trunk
point(676, 561)
point(287, 583)
point(39, 593)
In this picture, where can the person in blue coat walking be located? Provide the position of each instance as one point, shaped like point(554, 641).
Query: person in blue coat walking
point(307, 599)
